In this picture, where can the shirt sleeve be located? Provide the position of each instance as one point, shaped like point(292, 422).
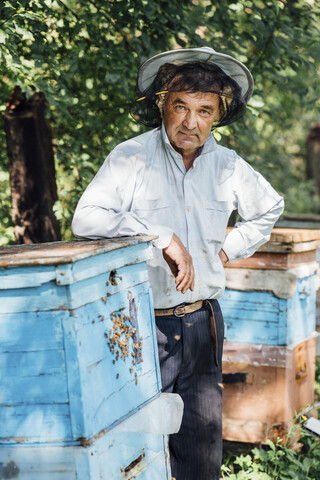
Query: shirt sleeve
point(104, 210)
point(259, 207)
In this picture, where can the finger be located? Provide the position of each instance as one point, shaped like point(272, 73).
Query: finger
point(189, 284)
point(182, 272)
point(187, 279)
point(192, 282)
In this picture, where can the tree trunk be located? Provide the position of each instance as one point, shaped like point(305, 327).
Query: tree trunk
point(31, 168)
point(313, 155)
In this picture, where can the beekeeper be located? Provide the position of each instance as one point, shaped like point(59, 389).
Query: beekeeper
point(177, 183)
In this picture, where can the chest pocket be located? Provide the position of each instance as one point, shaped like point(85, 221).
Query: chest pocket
point(217, 214)
point(155, 211)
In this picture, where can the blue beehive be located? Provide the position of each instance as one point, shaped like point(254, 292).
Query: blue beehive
point(78, 362)
point(271, 297)
point(78, 348)
point(262, 317)
point(114, 456)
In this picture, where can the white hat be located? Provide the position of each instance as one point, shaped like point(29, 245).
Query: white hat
point(231, 67)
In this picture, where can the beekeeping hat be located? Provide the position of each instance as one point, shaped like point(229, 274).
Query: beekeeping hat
point(177, 70)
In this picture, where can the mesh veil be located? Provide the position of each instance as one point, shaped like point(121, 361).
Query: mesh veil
point(189, 77)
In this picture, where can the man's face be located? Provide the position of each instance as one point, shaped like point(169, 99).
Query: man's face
point(188, 118)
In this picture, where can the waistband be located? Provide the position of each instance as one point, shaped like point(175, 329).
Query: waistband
point(184, 308)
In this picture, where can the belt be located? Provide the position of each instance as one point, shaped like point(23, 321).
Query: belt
point(183, 309)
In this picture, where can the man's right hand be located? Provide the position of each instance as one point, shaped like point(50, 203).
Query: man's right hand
point(180, 263)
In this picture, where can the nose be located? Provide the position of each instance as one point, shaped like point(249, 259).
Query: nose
point(190, 120)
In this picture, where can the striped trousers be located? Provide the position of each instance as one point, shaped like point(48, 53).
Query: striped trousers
point(187, 364)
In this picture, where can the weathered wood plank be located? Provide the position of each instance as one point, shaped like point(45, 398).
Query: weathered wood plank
point(108, 284)
point(34, 331)
point(251, 431)
point(34, 389)
point(23, 278)
point(41, 423)
point(91, 267)
point(293, 235)
point(43, 298)
point(285, 248)
point(56, 253)
point(48, 297)
point(290, 240)
point(116, 456)
point(25, 364)
point(275, 261)
point(282, 283)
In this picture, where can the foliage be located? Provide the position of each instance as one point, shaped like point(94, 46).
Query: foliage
point(84, 56)
point(276, 461)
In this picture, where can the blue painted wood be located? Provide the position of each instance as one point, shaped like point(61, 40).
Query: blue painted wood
point(36, 331)
point(24, 278)
point(33, 377)
point(43, 421)
point(108, 389)
point(115, 456)
point(33, 275)
point(261, 317)
point(60, 380)
point(93, 266)
point(48, 297)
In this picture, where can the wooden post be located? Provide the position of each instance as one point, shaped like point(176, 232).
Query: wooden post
point(313, 155)
point(31, 168)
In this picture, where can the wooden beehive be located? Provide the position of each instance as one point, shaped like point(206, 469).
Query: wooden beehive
point(270, 298)
point(114, 456)
point(263, 388)
point(78, 349)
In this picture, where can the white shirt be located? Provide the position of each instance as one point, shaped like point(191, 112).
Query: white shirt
point(143, 188)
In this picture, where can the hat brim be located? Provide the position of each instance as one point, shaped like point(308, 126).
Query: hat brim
point(231, 66)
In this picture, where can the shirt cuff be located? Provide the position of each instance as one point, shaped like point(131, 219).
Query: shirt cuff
point(164, 236)
point(234, 246)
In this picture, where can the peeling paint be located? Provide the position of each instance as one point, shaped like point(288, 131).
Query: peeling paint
point(134, 468)
point(10, 470)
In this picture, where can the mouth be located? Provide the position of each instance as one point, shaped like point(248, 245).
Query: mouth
point(188, 135)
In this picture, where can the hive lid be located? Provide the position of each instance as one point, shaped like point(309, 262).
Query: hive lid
point(63, 252)
point(290, 240)
point(294, 235)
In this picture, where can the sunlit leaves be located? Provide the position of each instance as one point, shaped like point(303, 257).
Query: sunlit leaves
point(85, 55)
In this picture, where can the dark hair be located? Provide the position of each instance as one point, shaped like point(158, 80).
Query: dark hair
point(190, 77)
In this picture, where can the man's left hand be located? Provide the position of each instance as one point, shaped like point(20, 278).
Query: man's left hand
point(223, 257)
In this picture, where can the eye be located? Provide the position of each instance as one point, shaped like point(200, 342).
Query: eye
point(180, 108)
point(205, 113)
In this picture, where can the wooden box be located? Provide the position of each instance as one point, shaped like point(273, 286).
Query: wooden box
point(263, 388)
point(287, 248)
point(114, 456)
point(78, 348)
point(270, 297)
point(262, 317)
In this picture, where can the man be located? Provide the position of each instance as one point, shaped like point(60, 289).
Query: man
point(177, 183)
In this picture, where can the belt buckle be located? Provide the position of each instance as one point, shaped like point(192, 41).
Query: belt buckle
point(177, 314)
